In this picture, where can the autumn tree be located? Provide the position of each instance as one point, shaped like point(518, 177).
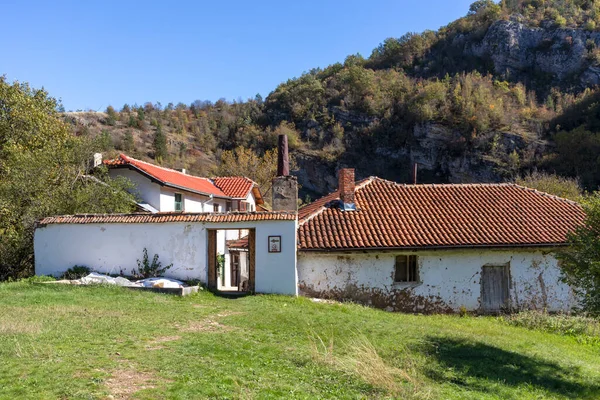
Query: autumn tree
point(245, 162)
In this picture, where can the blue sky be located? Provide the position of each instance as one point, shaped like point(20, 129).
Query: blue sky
point(92, 54)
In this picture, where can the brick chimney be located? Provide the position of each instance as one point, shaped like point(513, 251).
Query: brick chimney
point(346, 185)
point(285, 187)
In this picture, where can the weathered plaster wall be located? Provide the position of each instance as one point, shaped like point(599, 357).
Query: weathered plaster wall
point(110, 248)
point(449, 279)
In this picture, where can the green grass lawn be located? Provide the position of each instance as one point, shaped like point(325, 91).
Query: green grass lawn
point(100, 342)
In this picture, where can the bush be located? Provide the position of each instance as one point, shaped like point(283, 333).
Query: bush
point(150, 269)
point(76, 272)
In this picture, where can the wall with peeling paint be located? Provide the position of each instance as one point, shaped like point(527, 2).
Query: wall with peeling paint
point(111, 248)
point(449, 279)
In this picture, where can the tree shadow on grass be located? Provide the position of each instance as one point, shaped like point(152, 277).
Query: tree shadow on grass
point(479, 366)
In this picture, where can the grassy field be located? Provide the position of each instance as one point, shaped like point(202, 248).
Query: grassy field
point(101, 342)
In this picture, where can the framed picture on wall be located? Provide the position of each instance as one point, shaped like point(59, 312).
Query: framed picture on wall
point(274, 244)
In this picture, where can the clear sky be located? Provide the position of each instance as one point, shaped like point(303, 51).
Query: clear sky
point(95, 53)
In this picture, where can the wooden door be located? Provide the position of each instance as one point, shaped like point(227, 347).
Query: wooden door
point(495, 288)
point(212, 259)
point(235, 268)
point(252, 260)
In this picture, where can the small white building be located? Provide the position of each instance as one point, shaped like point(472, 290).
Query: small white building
point(160, 189)
point(436, 248)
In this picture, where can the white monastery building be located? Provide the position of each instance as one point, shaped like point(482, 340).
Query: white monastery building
point(416, 248)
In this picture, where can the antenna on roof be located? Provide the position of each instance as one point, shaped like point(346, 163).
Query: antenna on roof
point(415, 169)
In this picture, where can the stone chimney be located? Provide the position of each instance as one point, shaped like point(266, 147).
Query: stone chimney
point(346, 185)
point(285, 187)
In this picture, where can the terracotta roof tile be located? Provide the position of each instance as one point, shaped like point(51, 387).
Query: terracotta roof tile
point(168, 217)
point(392, 215)
point(238, 187)
point(169, 176)
point(241, 243)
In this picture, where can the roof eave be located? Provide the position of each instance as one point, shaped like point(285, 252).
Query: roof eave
point(163, 183)
point(433, 247)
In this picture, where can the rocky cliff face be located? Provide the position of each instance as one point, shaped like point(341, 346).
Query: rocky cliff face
point(439, 152)
point(561, 56)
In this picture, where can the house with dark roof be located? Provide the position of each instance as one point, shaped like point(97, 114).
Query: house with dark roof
point(430, 248)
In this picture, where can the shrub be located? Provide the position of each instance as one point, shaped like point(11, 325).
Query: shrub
point(586, 329)
point(150, 269)
point(76, 272)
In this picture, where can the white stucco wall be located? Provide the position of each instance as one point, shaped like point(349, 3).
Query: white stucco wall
point(449, 279)
point(191, 202)
point(144, 190)
point(110, 248)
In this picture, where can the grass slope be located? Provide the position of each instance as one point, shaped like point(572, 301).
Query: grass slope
point(102, 342)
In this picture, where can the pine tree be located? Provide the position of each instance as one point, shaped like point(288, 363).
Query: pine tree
point(160, 144)
point(128, 141)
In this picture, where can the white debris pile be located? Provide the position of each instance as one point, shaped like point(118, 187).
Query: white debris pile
point(95, 278)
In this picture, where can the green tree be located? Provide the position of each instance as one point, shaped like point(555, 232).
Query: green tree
point(105, 140)
point(44, 170)
point(580, 263)
point(128, 141)
point(111, 116)
point(160, 145)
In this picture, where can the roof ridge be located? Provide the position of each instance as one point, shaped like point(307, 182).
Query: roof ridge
point(499, 184)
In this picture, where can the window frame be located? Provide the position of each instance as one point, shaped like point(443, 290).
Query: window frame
point(411, 264)
point(216, 207)
point(181, 202)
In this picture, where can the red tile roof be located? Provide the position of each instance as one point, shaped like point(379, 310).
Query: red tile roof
point(392, 215)
point(238, 187)
point(241, 243)
point(169, 177)
point(168, 217)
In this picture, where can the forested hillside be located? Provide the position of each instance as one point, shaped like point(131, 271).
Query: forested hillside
point(505, 90)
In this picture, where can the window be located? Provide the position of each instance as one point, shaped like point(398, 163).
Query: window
point(228, 206)
point(216, 208)
point(243, 206)
point(178, 202)
point(406, 269)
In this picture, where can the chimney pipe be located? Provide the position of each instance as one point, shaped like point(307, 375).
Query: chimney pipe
point(283, 163)
point(415, 169)
point(346, 185)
